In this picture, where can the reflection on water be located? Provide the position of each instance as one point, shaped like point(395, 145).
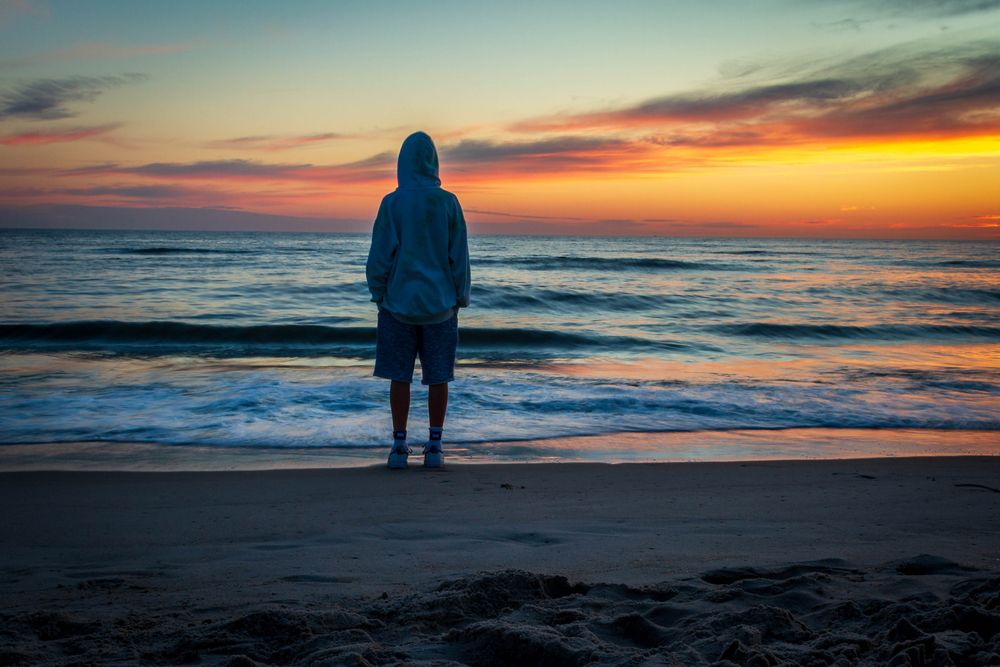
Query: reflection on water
point(266, 341)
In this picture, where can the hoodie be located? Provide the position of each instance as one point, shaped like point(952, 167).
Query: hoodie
point(418, 264)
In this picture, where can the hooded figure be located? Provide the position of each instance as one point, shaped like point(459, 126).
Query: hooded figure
point(418, 265)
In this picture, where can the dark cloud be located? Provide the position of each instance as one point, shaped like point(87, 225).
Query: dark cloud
point(74, 216)
point(747, 103)
point(378, 167)
point(49, 99)
point(252, 169)
point(383, 159)
point(474, 150)
point(133, 191)
point(126, 191)
point(552, 155)
point(466, 157)
point(214, 168)
point(941, 92)
point(911, 89)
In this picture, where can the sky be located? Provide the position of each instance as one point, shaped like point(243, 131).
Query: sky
point(798, 118)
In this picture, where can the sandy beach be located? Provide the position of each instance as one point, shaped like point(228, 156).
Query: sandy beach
point(876, 561)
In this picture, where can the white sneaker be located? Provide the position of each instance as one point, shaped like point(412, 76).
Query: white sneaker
point(398, 455)
point(433, 456)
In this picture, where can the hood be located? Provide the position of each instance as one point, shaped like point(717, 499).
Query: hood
point(418, 162)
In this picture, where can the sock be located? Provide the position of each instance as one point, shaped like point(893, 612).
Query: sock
point(435, 434)
point(398, 438)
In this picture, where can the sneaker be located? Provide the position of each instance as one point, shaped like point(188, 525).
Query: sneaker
point(398, 455)
point(433, 456)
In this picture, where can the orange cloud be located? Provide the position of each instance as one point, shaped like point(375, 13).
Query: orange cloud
point(57, 135)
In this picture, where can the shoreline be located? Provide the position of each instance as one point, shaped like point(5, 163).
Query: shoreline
point(573, 563)
point(719, 446)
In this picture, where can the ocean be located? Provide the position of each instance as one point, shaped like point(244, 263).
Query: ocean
point(264, 342)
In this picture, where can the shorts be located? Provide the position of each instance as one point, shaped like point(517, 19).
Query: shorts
point(398, 345)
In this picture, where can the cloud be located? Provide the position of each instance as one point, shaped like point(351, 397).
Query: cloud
point(47, 99)
point(905, 91)
point(379, 167)
point(75, 216)
point(241, 168)
point(154, 192)
point(466, 163)
point(924, 8)
point(134, 191)
point(379, 160)
point(558, 155)
point(470, 151)
point(746, 103)
point(57, 135)
point(853, 25)
point(712, 138)
point(548, 225)
point(866, 12)
point(271, 142)
point(371, 168)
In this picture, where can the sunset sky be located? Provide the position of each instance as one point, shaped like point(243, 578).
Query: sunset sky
point(854, 118)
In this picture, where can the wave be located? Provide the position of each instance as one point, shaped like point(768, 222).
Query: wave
point(953, 294)
point(504, 297)
point(170, 335)
point(180, 250)
point(331, 407)
point(821, 332)
point(954, 263)
point(115, 331)
point(561, 262)
point(958, 295)
point(971, 263)
point(750, 252)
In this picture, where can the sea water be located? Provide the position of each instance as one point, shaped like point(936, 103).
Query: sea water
point(266, 340)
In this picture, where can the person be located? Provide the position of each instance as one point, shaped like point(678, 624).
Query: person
point(418, 275)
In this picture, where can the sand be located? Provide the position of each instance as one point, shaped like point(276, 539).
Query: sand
point(876, 561)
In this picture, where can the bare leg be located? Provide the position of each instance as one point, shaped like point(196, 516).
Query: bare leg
point(437, 403)
point(399, 402)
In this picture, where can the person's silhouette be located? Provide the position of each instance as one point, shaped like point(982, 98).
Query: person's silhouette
point(418, 275)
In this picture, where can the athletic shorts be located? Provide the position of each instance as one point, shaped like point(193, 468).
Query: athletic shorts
point(398, 345)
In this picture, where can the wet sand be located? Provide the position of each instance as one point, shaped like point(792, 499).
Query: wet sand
point(829, 562)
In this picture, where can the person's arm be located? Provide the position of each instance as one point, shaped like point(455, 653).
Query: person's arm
point(382, 253)
point(458, 256)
